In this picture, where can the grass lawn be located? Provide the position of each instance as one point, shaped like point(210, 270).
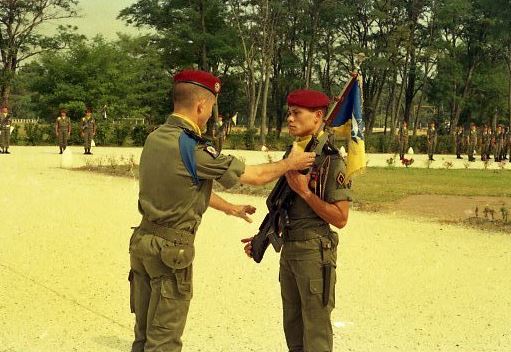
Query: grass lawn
point(383, 185)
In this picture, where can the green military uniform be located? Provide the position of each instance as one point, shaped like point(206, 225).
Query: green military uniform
point(5, 132)
point(499, 145)
point(432, 140)
point(485, 144)
point(508, 144)
point(459, 142)
point(172, 200)
point(310, 246)
point(472, 144)
point(403, 141)
point(62, 130)
point(88, 131)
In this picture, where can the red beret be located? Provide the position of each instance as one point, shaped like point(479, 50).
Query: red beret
point(201, 78)
point(307, 98)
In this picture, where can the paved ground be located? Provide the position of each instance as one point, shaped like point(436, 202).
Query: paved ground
point(403, 285)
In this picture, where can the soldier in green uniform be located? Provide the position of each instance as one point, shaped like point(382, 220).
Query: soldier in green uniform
point(508, 144)
point(310, 246)
point(62, 129)
point(177, 169)
point(403, 140)
point(485, 143)
point(459, 142)
point(432, 140)
point(472, 142)
point(499, 139)
point(88, 132)
point(5, 130)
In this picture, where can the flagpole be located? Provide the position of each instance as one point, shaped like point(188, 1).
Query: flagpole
point(359, 58)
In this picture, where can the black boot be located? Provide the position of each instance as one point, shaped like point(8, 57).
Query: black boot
point(458, 157)
point(7, 151)
point(85, 152)
point(60, 150)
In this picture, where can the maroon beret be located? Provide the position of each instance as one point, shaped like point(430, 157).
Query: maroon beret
point(200, 78)
point(307, 98)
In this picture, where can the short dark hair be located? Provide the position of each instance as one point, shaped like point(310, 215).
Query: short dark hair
point(187, 94)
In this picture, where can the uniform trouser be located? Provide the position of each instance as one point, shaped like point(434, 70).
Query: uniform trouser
point(307, 324)
point(403, 146)
point(470, 151)
point(159, 297)
point(459, 149)
point(498, 150)
point(431, 149)
point(87, 138)
point(5, 137)
point(62, 139)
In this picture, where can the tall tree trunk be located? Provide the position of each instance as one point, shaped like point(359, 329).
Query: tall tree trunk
point(265, 105)
point(204, 52)
point(410, 86)
point(417, 114)
point(458, 108)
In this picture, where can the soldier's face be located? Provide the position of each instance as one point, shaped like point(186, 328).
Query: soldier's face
point(205, 110)
point(302, 122)
point(4, 110)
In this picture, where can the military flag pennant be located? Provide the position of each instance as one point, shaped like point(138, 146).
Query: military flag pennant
point(346, 119)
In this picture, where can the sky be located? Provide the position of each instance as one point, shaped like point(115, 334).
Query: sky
point(98, 17)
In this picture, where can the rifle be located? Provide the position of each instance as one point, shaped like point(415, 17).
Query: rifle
point(276, 221)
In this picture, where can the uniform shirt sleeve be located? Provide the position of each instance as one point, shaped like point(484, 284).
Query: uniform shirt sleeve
point(336, 188)
point(225, 169)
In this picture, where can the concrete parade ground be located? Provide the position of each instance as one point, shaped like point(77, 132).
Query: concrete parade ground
point(404, 283)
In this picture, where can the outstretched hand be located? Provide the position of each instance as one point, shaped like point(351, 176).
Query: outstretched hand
point(243, 211)
point(248, 246)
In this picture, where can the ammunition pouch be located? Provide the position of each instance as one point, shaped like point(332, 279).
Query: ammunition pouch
point(178, 251)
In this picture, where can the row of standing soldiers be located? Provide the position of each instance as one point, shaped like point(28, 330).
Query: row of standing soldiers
point(487, 141)
point(431, 138)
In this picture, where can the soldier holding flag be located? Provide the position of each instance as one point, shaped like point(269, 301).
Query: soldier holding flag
point(319, 199)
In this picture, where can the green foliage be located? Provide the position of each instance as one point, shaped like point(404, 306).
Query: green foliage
point(120, 132)
point(103, 133)
point(249, 136)
point(15, 135)
point(34, 133)
point(139, 134)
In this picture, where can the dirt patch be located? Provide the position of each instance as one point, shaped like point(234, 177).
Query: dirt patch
point(460, 210)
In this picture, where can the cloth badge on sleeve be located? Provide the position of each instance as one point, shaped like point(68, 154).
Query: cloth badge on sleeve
point(211, 151)
point(341, 181)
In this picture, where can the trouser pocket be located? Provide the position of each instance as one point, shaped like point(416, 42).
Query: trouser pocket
point(175, 294)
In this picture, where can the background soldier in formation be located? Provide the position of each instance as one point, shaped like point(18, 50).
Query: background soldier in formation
point(459, 141)
point(485, 143)
point(508, 143)
point(432, 140)
point(403, 140)
point(472, 142)
point(63, 129)
point(177, 170)
point(322, 198)
point(5, 130)
point(88, 130)
point(497, 143)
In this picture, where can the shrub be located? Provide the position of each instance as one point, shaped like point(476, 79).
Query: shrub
point(139, 134)
point(34, 133)
point(15, 135)
point(121, 131)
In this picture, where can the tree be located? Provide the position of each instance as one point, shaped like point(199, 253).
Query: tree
point(19, 39)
